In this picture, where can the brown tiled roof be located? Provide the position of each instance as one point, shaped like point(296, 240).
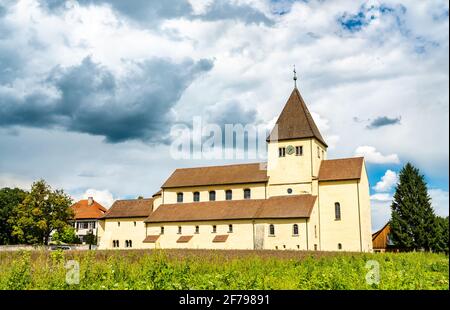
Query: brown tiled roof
point(184, 239)
point(295, 121)
point(217, 175)
point(82, 210)
point(158, 193)
point(151, 238)
point(293, 206)
point(220, 238)
point(341, 169)
point(130, 208)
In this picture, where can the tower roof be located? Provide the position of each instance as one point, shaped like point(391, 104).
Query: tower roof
point(295, 121)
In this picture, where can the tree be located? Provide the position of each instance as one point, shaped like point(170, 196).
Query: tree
point(10, 198)
point(412, 218)
point(440, 243)
point(90, 239)
point(67, 235)
point(42, 211)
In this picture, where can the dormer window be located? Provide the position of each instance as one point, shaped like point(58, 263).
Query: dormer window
point(299, 150)
point(281, 152)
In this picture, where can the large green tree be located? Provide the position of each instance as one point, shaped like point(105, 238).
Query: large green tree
point(440, 243)
point(413, 223)
point(10, 198)
point(42, 212)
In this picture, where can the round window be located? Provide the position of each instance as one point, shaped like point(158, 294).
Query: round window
point(289, 190)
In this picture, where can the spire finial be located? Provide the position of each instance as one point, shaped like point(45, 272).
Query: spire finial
point(295, 78)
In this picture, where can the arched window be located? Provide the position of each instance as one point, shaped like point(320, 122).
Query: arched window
point(228, 194)
point(196, 196)
point(337, 211)
point(179, 197)
point(214, 229)
point(126, 243)
point(339, 246)
point(230, 228)
point(162, 230)
point(197, 229)
point(130, 243)
point(272, 230)
point(247, 193)
point(295, 230)
point(179, 229)
point(212, 195)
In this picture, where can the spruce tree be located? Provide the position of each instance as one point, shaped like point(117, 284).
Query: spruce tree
point(413, 223)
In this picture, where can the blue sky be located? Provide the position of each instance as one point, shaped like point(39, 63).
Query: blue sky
point(89, 90)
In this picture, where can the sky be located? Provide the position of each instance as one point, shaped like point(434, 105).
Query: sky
point(89, 90)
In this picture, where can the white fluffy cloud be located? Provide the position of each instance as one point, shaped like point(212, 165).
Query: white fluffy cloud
point(380, 204)
point(371, 155)
point(387, 182)
point(103, 197)
point(439, 201)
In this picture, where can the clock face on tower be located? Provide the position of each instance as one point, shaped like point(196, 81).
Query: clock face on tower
point(290, 150)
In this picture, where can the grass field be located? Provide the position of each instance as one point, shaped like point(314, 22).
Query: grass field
point(197, 269)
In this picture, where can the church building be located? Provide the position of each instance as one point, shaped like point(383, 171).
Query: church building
point(297, 200)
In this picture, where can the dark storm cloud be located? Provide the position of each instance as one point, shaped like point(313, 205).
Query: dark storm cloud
point(152, 12)
point(231, 113)
point(383, 121)
point(88, 98)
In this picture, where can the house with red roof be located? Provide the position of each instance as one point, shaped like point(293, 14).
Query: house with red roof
point(86, 215)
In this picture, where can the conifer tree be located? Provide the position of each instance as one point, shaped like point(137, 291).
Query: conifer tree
point(413, 223)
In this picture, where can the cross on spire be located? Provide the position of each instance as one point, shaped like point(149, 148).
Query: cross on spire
point(295, 78)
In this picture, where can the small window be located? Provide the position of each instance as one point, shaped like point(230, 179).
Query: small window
point(339, 246)
point(228, 194)
point(284, 246)
point(247, 193)
point(162, 230)
point(118, 224)
point(318, 152)
point(134, 224)
point(126, 243)
point(298, 246)
point(276, 247)
point(214, 229)
point(212, 195)
point(179, 230)
point(271, 230)
point(299, 150)
point(197, 229)
point(337, 211)
point(295, 230)
point(230, 228)
point(179, 197)
point(323, 154)
point(196, 196)
point(289, 190)
point(315, 231)
point(315, 247)
point(281, 152)
point(130, 243)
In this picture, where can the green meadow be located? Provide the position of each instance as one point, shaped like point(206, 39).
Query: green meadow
point(236, 270)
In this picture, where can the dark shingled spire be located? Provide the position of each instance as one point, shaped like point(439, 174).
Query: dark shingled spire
point(295, 121)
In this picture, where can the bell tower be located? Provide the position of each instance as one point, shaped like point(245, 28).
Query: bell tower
point(295, 149)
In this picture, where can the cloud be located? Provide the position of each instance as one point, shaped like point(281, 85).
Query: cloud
point(381, 209)
point(89, 98)
point(231, 112)
point(103, 197)
point(154, 12)
point(372, 156)
point(388, 181)
point(383, 121)
point(439, 201)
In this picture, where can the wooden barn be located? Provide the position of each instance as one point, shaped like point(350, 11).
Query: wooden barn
point(381, 241)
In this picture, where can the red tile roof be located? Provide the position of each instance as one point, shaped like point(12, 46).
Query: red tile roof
point(341, 169)
point(184, 239)
point(292, 206)
point(220, 238)
point(218, 175)
point(82, 210)
point(151, 238)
